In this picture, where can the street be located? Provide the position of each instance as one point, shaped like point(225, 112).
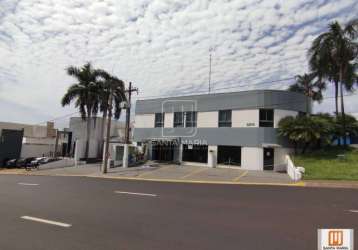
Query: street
point(44, 212)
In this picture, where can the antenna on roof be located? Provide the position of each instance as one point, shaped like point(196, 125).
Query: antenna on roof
point(209, 70)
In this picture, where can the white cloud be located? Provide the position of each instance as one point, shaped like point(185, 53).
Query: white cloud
point(160, 45)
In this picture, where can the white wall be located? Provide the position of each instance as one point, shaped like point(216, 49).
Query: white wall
point(36, 150)
point(280, 162)
point(245, 118)
point(169, 120)
point(252, 158)
point(144, 121)
point(207, 119)
point(279, 114)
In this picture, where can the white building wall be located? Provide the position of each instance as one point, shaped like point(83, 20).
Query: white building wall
point(169, 120)
point(145, 121)
point(280, 163)
point(252, 158)
point(36, 150)
point(245, 118)
point(207, 119)
point(279, 114)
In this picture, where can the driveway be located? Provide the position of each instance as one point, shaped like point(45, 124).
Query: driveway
point(175, 173)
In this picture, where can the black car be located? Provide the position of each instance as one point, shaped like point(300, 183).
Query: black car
point(26, 162)
point(11, 163)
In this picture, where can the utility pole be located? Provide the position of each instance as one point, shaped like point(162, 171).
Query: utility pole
point(127, 129)
point(108, 134)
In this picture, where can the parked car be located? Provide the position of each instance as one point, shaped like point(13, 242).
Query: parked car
point(39, 161)
point(26, 162)
point(11, 163)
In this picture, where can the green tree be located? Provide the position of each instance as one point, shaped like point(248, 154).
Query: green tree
point(351, 127)
point(112, 94)
point(84, 94)
point(331, 56)
point(107, 85)
point(303, 131)
point(310, 86)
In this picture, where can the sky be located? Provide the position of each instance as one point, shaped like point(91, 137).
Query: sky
point(162, 46)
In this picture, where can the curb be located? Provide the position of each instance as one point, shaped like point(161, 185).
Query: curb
point(297, 184)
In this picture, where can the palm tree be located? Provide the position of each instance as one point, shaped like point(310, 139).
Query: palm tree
point(84, 94)
point(109, 84)
point(112, 93)
point(304, 130)
point(310, 87)
point(332, 53)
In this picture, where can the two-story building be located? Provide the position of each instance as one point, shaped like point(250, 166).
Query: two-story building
point(236, 129)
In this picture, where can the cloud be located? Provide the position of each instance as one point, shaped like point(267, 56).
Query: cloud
point(162, 46)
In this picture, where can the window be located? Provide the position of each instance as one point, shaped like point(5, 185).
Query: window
point(190, 119)
point(195, 153)
point(178, 119)
point(159, 120)
point(266, 117)
point(229, 155)
point(225, 118)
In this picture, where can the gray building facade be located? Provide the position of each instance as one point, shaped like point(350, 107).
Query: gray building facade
point(237, 129)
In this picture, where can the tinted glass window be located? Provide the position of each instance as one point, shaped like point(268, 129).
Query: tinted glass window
point(225, 118)
point(190, 119)
point(195, 153)
point(178, 119)
point(266, 117)
point(159, 120)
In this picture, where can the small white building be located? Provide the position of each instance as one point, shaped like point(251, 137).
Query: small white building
point(78, 127)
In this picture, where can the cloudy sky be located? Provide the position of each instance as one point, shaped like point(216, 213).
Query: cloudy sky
point(162, 46)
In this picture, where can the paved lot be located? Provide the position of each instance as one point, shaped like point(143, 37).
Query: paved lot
point(158, 215)
point(170, 172)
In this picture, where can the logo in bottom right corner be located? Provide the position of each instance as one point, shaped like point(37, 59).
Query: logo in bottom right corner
point(335, 239)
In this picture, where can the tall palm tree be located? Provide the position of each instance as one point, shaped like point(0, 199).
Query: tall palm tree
point(332, 54)
point(310, 86)
point(84, 94)
point(112, 94)
point(109, 85)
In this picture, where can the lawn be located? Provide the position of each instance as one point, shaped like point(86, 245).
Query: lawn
point(325, 165)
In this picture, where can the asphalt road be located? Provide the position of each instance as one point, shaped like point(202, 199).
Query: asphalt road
point(167, 216)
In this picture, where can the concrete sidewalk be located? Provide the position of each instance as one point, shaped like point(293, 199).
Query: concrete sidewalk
point(172, 173)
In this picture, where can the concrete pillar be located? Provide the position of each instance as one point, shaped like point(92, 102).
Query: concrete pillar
point(125, 155)
point(180, 157)
point(212, 156)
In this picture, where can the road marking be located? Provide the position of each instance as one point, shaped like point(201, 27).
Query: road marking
point(60, 224)
point(152, 171)
point(194, 172)
point(142, 194)
point(28, 184)
point(241, 175)
point(353, 211)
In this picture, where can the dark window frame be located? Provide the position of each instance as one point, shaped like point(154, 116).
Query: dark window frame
point(159, 120)
point(225, 118)
point(266, 118)
point(192, 121)
point(178, 122)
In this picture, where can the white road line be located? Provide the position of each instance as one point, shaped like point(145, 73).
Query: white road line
point(60, 224)
point(353, 211)
point(142, 194)
point(28, 184)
